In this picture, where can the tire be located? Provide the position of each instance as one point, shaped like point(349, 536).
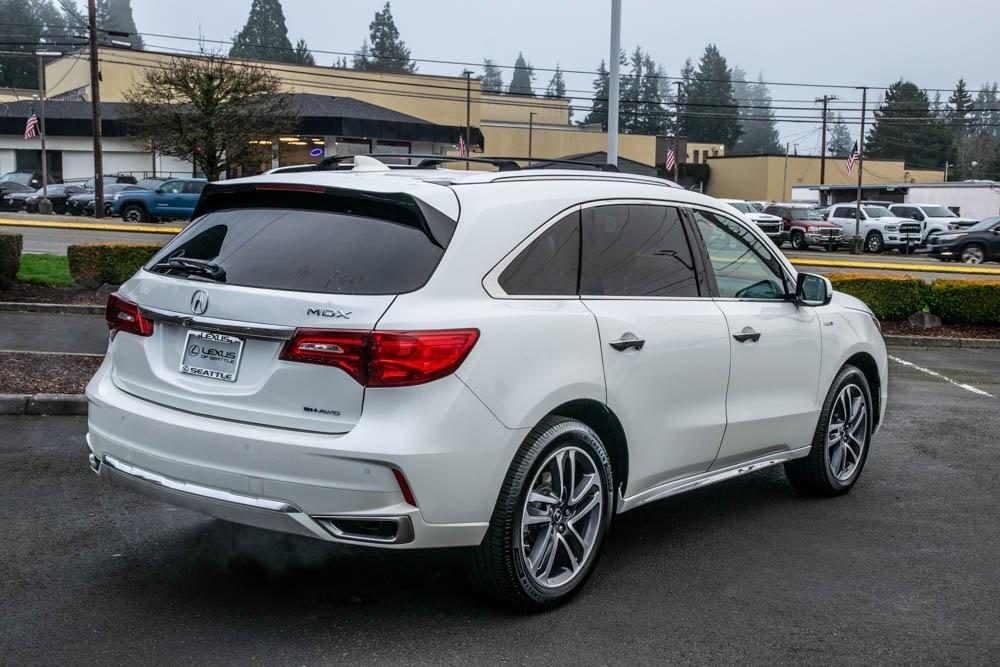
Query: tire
point(874, 243)
point(799, 241)
point(822, 472)
point(500, 567)
point(973, 254)
point(134, 213)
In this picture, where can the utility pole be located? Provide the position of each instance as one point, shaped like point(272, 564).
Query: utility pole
point(856, 244)
point(468, 115)
point(784, 179)
point(95, 102)
point(531, 132)
point(677, 141)
point(822, 154)
point(616, 47)
point(946, 165)
point(44, 205)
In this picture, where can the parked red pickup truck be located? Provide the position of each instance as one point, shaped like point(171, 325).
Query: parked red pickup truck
point(806, 227)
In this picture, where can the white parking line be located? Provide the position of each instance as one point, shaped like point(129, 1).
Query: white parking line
point(962, 385)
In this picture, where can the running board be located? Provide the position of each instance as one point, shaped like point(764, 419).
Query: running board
point(673, 487)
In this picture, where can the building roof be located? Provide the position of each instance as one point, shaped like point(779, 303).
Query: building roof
point(318, 114)
point(900, 186)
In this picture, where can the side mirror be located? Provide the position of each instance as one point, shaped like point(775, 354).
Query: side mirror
point(158, 191)
point(812, 290)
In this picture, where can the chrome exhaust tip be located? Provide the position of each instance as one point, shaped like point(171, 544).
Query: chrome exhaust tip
point(95, 463)
point(382, 530)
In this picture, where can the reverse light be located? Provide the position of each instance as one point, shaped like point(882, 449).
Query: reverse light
point(384, 358)
point(124, 315)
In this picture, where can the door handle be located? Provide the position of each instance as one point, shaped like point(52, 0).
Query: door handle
point(747, 335)
point(628, 340)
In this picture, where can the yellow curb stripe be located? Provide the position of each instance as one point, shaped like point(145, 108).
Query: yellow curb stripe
point(10, 222)
point(890, 266)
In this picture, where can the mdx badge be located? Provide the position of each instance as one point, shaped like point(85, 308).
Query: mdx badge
point(199, 302)
point(327, 312)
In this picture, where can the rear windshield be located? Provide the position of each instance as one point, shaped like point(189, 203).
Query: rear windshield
point(305, 251)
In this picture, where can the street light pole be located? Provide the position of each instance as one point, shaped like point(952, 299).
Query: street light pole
point(616, 47)
point(95, 110)
point(531, 131)
point(468, 115)
point(44, 205)
point(822, 154)
point(856, 242)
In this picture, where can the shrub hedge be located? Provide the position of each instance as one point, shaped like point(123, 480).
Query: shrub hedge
point(93, 264)
point(891, 297)
point(10, 259)
point(967, 301)
point(895, 297)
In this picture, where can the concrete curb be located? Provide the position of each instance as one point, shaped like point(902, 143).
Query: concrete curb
point(54, 308)
point(43, 404)
point(933, 341)
point(95, 227)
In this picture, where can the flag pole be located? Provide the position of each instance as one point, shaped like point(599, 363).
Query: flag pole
point(856, 241)
point(44, 205)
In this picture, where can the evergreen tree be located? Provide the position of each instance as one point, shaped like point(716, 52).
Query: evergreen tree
point(522, 79)
point(492, 81)
point(986, 110)
point(839, 142)
point(960, 108)
point(711, 110)
point(264, 36)
point(759, 132)
point(905, 129)
point(386, 51)
point(117, 15)
point(557, 89)
point(31, 24)
point(687, 78)
point(654, 96)
point(302, 55)
point(598, 114)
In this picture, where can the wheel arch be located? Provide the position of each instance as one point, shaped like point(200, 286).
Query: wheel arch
point(137, 203)
point(608, 427)
point(866, 363)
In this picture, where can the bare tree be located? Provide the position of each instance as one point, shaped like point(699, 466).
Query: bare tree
point(216, 113)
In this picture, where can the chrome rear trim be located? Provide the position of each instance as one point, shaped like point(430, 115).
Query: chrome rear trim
point(676, 486)
point(197, 489)
point(247, 329)
point(403, 534)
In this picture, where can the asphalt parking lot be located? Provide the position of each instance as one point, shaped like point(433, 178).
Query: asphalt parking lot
point(902, 570)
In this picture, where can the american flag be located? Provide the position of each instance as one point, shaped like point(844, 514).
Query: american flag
point(31, 127)
point(462, 150)
point(671, 159)
point(852, 158)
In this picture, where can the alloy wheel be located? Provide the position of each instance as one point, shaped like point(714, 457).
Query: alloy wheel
point(134, 215)
point(561, 518)
point(973, 254)
point(874, 243)
point(847, 432)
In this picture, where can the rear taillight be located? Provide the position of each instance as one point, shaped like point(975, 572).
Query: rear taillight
point(123, 315)
point(384, 358)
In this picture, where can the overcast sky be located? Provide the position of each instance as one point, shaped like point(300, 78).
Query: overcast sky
point(932, 43)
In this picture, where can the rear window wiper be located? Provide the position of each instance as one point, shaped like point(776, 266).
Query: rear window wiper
point(201, 268)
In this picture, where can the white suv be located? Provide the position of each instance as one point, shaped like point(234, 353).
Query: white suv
point(501, 361)
point(769, 224)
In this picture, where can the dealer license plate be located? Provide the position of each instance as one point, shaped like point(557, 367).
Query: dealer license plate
point(212, 355)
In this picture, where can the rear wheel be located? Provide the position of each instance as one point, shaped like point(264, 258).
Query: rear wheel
point(874, 242)
point(134, 213)
point(840, 443)
point(552, 514)
point(973, 254)
point(799, 240)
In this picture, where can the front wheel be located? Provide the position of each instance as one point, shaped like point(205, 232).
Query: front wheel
point(874, 243)
point(134, 213)
point(840, 443)
point(799, 241)
point(550, 520)
point(973, 254)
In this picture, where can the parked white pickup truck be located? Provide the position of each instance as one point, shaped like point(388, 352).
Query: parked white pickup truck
point(933, 218)
point(880, 229)
point(769, 224)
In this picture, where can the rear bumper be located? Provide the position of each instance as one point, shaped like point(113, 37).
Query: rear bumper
point(310, 483)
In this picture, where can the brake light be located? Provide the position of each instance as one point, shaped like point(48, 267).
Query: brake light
point(384, 358)
point(124, 315)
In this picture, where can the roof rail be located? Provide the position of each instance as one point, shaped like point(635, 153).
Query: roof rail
point(335, 162)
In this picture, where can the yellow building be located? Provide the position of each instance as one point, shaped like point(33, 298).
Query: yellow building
point(772, 177)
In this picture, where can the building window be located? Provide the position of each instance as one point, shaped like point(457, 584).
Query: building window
point(31, 160)
point(347, 146)
point(697, 154)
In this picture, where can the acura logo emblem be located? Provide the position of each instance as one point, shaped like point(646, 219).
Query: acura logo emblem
point(199, 302)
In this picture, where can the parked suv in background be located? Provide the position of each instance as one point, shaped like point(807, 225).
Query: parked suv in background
point(972, 245)
point(805, 226)
point(83, 203)
point(175, 198)
point(932, 217)
point(499, 361)
point(769, 224)
point(879, 228)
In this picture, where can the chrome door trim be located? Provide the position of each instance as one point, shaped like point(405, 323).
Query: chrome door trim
point(676, 486)
point(235, 328)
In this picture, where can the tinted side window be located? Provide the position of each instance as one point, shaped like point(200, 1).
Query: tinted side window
point(743, 267)
point(550, 266)
point(636, 250)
